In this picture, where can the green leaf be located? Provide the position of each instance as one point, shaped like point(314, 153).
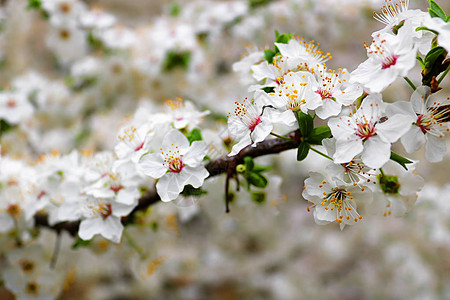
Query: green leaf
point(256, 3)
point(80, 243)
point(176, 59)
point(282, 38)
point(268, 55)
point(433, 64)
point(302, 151)
point(402, 161)
point(175, 10)
point(195, 135)
point(189, 190)
point(448, 19)
point(268, 89)
point(318, 134)
point(34, 4)
point(436, 10)
point(305, 123)
point(260, 169)
point(5, 127)
point(249, 163)
point(256, 179)
point(258, 197)
point(421, 62)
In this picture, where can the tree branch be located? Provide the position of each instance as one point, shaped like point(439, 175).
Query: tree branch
point(216, 167)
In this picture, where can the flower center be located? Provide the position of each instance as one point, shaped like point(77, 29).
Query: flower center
point(65, 7)
point(389, 184)
point(116, 188)
point(105, 210)
point(423, 123)
point(139, 147)
point(26, 265)
point(325, 94)
point(365, 131)
point(253, 123)
point(32, 288)
point(389, 61)
point(176, 165)
point(64, 34)
point(13, 210)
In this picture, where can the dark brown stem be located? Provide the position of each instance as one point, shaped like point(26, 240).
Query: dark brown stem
point(226, 164)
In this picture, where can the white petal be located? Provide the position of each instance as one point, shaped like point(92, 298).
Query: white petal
point(169, 186)
point(392, 129)
point(173, 139)
point(346, 150)
point(413, 140)
point(435, 148)
point(89, 227)
point(376, 152)
point(196, 153)
point(152, 165)
point(112, 229)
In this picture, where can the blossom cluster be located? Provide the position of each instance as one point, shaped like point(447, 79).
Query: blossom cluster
point(293, 85)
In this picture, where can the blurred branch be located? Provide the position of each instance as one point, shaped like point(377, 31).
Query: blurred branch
point(226, 164)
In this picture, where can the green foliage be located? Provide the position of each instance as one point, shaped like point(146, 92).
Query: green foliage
point(256, 3)
point(279, 38)
point(34, 4)
point(195, 135)
point(258, 197)
point(175, 10)
point(436, 11)
point(318, 134)
point(310, 135)
point(302, 151)
point(176, 60)
point(305, 123)
point(5, 127)
point(80, 243)
point(402, 161)
point(433, 64)
point(189, 190)
point(253, 173)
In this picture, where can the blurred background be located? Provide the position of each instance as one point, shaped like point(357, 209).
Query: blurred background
point(269, 250)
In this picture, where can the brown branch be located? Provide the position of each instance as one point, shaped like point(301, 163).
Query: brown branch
point(226, 164)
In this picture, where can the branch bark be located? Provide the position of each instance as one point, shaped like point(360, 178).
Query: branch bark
point(216, 167)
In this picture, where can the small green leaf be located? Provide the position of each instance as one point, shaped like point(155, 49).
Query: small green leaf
point(260, 169)
point(448, 19)
point(318, 134)
point(268, 55)
point(268, 89)
point(189, 190)
point(420, 60)
point(195, 135)
point(302, 151)
point(305, 123)
point(402, 161)
point(80, 243)
point(258, 197)
point(34, 4)
point(175, 59)
point(433, 64)
point(436, 10)
point(256, 179)
point(175, 10)
point(5, 127)
point(249, 163)
point(283, 38)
